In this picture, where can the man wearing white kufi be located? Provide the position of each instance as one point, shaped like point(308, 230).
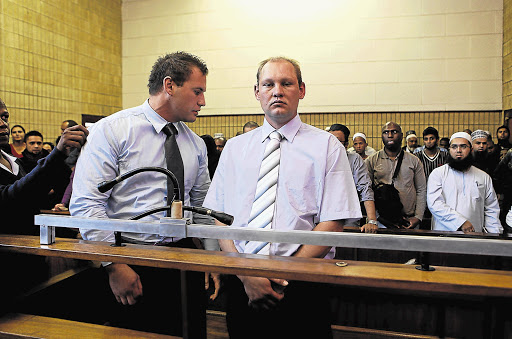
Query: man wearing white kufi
point(459, 195)
point(360, 146)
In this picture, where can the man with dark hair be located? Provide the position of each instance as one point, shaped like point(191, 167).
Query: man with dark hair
point(153, 134)
point(284, 175)
point(249, 126)
point(431, 156)
point(444, 143)
point(20, 197)
point(503, 134)
point(34, 150)
point(361, 180)
point(410, 180)
point(460, 196)
point(502, 177)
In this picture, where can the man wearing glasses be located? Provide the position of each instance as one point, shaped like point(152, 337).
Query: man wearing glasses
point(461, 196)
point(410, 181)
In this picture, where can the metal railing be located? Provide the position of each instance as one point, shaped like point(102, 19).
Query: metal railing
point(168, 227)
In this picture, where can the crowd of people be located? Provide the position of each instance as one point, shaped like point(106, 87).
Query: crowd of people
point(284, 175)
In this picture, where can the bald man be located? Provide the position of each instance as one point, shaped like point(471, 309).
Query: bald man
point(410, 181)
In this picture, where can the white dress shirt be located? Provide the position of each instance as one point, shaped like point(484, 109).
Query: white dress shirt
point(454, 197)
point(15, 168)
point(315, 182)
point(124, 141)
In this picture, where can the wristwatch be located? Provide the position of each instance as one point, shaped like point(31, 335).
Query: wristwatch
point(373, 222)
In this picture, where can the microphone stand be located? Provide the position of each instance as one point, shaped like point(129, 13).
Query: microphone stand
point(107, 185)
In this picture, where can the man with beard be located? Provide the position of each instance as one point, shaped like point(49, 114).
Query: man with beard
point(461, 196)
point(431, 156)
point(411, 141)
point(410, 181)
point(482, 159)
point(503, 134)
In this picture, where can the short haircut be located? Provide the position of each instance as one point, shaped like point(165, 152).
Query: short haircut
point(33, 134)
point(340, 127)
point(503, 126)
point(294, 63)
point(224, 140)
point(2, 104)
point(431, 130)
point(13, 127)
point(250, 124)
point(394, 124)
point(445, 139)
point(178, 66)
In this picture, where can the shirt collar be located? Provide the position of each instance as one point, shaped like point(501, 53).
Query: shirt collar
point(384, 155)
point(288, 131)
point(155, 119)
point(12, 160)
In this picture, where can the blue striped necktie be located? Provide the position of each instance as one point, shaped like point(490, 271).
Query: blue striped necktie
point(262, 211)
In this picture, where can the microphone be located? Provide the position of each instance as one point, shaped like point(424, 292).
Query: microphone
point(107, 185)
point(220, 216)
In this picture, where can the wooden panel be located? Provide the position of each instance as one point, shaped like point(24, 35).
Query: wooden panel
point(370, 123)
point(361, 274)
point(24, 325)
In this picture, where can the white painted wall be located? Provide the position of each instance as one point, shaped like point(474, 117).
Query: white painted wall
point(356, 55)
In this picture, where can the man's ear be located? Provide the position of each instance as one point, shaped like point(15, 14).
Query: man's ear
point(169, 85)
point(302, 89)
point(257, 92)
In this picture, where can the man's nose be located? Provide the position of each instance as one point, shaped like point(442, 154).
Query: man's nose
point(202, 100)
point(278, 90)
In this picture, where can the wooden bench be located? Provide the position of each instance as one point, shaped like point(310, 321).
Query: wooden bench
point(14, 325)
point(389, 283)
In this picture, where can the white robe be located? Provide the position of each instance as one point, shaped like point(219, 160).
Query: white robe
point(454, 197)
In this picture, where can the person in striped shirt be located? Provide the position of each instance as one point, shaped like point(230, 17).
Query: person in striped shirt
point(431, 156)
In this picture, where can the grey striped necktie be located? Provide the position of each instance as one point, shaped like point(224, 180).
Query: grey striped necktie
point(262, 211)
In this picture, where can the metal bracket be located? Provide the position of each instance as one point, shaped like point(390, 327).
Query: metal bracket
point(46, 235)
point(170, 227)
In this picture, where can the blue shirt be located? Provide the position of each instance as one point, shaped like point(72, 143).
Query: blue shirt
point(124, 141)
point(315, 182)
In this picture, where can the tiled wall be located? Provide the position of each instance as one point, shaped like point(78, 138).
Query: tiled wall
point(59, 59)
point(507, 54)
point(356, 55)
point(369, 123)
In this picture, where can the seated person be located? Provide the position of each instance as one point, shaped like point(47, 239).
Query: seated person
point(459, 195)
